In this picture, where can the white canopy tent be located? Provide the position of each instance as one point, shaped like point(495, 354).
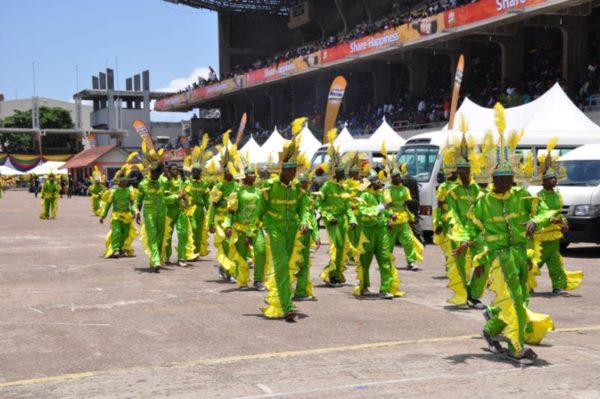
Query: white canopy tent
point(343, 136)
point(47, 167)
point(308, 142)
point(384, 132)
point(553, 113)
point(7, 171)
point(254, 151)
point(273, 146)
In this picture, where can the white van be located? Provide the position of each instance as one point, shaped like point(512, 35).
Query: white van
point(370, 150)
point(423, 155)
point(581, 194)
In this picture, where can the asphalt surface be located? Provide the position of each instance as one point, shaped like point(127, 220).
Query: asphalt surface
point(74, 325)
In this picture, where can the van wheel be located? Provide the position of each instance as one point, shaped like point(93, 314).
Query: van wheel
point(564, 245)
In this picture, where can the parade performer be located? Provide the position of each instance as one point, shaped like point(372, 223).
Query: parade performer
point(243, 228)
point(375, 220)
point(503, 217)
point(286, 220)
point(118, 242)
point(334, 206)
point(401, 218)
point(468, 287)
point(356, 165)
point(96, 189)
point(304, 288)
point(150, 197)
point(219, 208)
point(441, 216)
point(50, 193)
point(547, 240)
point(177, 205)
point(198, 190)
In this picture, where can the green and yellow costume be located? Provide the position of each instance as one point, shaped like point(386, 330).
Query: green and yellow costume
point(97, 189)
point(244, 205)
point(375, 242)
point(501, 219)
point(50, 193)
point(177, 210)
point(122, 229)
point(441, 221)
point(150, 199)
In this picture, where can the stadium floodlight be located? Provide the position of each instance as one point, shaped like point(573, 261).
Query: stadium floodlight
point(273, 7)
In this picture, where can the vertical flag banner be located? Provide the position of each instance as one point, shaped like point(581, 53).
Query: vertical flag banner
point(456, 90)
point(240, 132)
point(334, 101)
point(142, 130)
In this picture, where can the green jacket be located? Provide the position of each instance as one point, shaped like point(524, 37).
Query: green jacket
point(284, 206)
point(333, 202)
point(399, 196)
point(150, 194)
point(198, 191)
point(460, 200)
point(122, 199)
point(245, 204)
point(502, 217)
point(371, 211)
point(50, 189)
point(218, 198)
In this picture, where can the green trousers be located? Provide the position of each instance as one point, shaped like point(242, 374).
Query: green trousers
point(511, 274)
point(303, 285)
point(282, 242)
point(179, 222)
point(96, 200)
point(119, 232)
point(259, 256)
point(337, 245)
point(551, 257)
point(379, 247)
point(48, 209)
point(154, 224)
point(477, 285)
point(199, 233)
point(403, 233)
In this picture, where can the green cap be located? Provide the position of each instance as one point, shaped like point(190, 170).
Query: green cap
point(503, 169)
point(463, 163)
point(290, 165)
point(550, 173)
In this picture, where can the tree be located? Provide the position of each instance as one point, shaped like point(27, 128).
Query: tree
point(50, 118)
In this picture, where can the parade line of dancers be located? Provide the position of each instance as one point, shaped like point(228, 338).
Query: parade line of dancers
point(494, 234)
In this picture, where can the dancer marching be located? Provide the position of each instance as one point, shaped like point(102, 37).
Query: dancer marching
point(96, 189)
point(219, 209)
point(547, 240)
point(122, 198)
point(150, 201)
point(177, 205)
point(243, 228)
point(334, 206)
point(503, 217)
point(198, 190)
point(374, 218)
point(286, 221)
point(50, 193)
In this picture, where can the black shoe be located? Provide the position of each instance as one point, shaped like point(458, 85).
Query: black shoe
point(290, 316)
point(475, 304)
point(527, 358)
point(492, 343)
point(559, 292)
point(385, 295)
point(259, 286)
point(301, 298)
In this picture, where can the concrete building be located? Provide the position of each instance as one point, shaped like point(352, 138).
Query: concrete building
point(115, 110)
point(8, 108)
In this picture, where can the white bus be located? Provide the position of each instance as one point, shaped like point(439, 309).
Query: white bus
point(370, 150)
point(423, 155)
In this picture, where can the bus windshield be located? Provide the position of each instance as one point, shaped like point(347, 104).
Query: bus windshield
point(419, 161)
point(581, 173)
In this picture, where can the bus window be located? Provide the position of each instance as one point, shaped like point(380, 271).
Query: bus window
point(419, 160)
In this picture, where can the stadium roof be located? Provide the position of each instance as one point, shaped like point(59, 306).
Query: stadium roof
point(257, 6)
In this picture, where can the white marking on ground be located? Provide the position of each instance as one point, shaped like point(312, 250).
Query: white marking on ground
point(36, 310)
point(265, 388)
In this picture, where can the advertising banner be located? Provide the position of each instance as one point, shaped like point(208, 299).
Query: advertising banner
point(334, 101)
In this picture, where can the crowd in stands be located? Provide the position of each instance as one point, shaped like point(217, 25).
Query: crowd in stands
point(396, 18)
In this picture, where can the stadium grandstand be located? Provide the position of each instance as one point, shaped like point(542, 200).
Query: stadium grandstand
point(278, 59)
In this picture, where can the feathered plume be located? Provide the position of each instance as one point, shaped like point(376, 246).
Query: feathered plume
point(514, 138)
point(298, 125)
point(500, 118)
point(463, 124)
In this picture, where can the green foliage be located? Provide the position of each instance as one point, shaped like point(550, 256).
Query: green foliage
point(50, 118)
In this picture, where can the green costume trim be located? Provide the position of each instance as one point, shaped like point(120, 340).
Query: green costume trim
point(122, 228)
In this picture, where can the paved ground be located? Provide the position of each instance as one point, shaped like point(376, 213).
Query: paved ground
point(75, 325)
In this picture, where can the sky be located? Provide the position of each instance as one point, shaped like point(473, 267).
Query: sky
point(71, 40)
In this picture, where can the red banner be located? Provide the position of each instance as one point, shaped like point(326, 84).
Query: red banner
point(399, 36)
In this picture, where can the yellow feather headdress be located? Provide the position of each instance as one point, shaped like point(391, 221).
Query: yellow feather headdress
point(288, 157)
